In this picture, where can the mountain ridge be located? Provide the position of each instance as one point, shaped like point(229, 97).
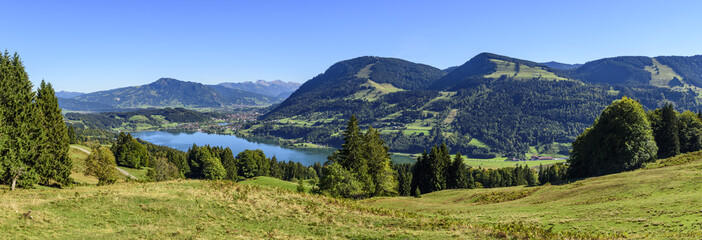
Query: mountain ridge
point(169, 92)
point(275, 88)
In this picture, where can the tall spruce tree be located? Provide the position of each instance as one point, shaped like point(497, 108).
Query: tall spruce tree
point(21, 128)
point(56, 165)
point(383, 179)
point(665, 124)
point(364, 158)
point(457, 174)
point(72, 139)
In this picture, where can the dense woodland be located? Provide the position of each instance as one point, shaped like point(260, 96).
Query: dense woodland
point(625, 137)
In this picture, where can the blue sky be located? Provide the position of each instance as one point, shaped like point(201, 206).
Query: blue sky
point(98, 45)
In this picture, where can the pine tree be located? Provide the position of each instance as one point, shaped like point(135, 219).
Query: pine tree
point(665, 124)
point(383, 179)
point(457, 174)
point(229, 164)
point(56, 163)
point(365, 159)
point(21, 151)
point(72, 138)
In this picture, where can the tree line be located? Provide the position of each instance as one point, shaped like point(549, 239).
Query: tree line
point(625, 137)
point(33, 136)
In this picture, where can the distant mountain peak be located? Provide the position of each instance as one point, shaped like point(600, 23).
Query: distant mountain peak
point(67, 94)
point(166, 81)
point(275, 88)
point(170, 92)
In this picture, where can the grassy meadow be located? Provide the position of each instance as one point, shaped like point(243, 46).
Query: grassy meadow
point(663, 201)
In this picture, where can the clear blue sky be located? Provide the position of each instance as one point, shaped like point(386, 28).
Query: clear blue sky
point(97, 45)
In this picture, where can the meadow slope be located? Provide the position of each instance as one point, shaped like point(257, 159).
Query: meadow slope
point(660, 202)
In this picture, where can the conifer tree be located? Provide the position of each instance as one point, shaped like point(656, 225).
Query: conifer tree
point(229, 164)
point(72, 139)
point(364, 158)
point(383, 179)
point(457, 174)
point(665, 125)
point(21, 151)
point(56, 164)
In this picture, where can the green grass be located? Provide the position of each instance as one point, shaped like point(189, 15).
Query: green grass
point(138, 118)
point(138, 173)
point(276, 183)
point(659, 203)
point(661, 74)
point(375, 91)
point(78, 158)
point(524, 73)
point(477, 143)
point(499, 162)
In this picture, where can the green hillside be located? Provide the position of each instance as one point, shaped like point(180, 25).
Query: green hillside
point(659, 202)
point(510, 105)
point(255, 209)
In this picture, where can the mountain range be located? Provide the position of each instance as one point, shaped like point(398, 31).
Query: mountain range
point(276, 88)
point(168, 92)
point(504, 103)
point(489, 104)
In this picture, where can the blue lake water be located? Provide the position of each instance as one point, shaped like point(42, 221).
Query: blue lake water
point(183, 141)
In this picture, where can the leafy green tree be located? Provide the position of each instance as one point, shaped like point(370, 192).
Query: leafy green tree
point(101, 164)
point(213, 169)
point(56, 164)
point(621, 139)
point(339, 182)
point(129, 152)
point(162, 170)
point(300, 186)
point(690, 132)
point(665, 124)
point(21, 127)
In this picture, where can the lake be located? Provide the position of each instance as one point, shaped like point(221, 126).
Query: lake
point(182, 141)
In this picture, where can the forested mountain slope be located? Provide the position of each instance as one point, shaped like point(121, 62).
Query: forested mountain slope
point(492, 103)
point(348, 83)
